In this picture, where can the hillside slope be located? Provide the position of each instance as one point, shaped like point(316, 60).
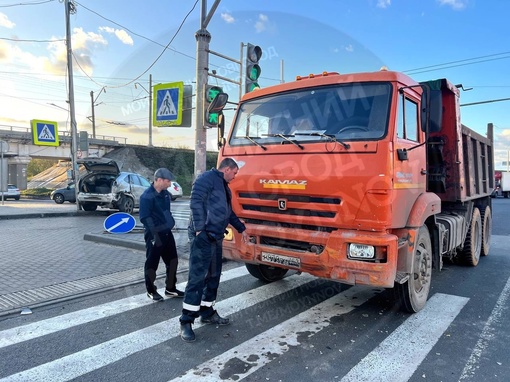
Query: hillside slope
point(139, 159)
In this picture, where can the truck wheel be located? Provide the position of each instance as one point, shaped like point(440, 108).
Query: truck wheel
point(470, 254)
point(126, 205)
point(89, 207)
point(266, 273)
point(486, 231)
point(413, 294)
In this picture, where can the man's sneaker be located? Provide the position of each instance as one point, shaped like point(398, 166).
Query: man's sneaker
point(215, 319)
point(174, 293)
point(187, 333)
point(154, 296)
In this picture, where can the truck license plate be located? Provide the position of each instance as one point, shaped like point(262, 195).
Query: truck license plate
point(281, 260)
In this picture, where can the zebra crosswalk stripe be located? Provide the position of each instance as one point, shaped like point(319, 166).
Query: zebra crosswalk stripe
point(95, 357)
point(399, 355)
point(66, 321)
point(280, 338)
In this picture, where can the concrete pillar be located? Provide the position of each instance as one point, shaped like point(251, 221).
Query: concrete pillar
point(17, 171)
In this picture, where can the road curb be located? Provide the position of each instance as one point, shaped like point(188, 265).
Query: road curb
point(113, 240)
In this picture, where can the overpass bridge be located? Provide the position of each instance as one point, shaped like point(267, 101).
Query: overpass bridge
point(21, 150)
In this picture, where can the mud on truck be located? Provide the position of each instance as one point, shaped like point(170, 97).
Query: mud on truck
point(363, 178)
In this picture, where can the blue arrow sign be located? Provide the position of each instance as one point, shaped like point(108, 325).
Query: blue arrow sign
point(119, 222)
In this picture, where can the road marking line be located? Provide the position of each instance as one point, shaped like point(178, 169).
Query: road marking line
point(487, 335)
point(66, 321)
point(265, 347)
point(399, 355)
point(95, 357)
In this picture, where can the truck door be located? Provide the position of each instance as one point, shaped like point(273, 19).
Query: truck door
point(409, 177)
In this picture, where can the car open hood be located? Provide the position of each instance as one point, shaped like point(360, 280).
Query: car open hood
point(103, 165)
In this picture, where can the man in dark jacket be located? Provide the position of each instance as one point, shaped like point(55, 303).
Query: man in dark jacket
point(211, 212)
point(158, 222)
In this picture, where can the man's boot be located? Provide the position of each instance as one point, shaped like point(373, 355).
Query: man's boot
point(187, 333)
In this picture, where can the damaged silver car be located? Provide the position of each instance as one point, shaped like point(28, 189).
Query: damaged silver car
point(105, 186)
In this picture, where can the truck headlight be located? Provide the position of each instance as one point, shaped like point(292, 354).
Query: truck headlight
point(361, 251)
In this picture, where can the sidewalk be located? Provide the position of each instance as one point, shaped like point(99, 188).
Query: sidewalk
point(55, 253)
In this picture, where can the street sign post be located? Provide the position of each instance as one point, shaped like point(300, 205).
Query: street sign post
point(4, 147)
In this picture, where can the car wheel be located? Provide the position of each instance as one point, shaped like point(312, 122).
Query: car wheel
point(58, 198)
point(126, 205)
point(16, 198)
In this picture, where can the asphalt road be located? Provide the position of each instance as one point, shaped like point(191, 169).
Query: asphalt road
point(297, 329)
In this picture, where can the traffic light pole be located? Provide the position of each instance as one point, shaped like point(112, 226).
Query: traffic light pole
point(203, 38)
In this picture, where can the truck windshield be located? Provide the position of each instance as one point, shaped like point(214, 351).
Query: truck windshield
point(345, 112)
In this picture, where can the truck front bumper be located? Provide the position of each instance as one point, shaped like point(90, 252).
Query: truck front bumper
point(331, 262)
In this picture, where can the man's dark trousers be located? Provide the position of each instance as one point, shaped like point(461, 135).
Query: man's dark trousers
point(155, 250)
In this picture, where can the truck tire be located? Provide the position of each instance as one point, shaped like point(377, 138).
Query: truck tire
point(412, 295)
point(266, 273)
point(126, 204)
point(470, 254)
point(486, 230)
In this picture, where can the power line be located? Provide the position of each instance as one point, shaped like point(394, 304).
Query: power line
point(21, 40)
point(33, 3)
point(458, 63)
point(157, 58)
point(137, 34)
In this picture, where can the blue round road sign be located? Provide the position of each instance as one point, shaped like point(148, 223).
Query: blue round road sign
point(119, 222)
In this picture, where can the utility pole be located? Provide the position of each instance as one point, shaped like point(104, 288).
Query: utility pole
point(93, 115)
point(70, 8)
point(93, 105)
point(149, 92)
point(203, 38)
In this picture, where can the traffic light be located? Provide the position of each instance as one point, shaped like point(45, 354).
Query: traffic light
point(211, 119)
point(253, 55)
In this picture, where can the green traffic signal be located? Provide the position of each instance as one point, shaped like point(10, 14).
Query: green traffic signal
point(213, 118)
point(251, 87)
point(254, 72)
point(253, 55)
point(212, 92)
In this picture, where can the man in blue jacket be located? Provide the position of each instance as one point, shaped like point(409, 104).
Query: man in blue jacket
point(211, 212)
point(158, 222)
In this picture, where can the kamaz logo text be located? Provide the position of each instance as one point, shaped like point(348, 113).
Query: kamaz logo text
point(283, 183)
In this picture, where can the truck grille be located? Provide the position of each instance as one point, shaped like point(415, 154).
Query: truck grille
point(290, 198)
point(274, 211)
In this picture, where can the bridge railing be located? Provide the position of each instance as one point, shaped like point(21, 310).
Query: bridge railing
point(16, 132)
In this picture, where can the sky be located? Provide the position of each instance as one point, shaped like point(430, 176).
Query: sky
point(117, 44)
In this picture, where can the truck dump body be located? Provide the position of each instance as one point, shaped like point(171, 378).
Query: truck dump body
point(460, 161)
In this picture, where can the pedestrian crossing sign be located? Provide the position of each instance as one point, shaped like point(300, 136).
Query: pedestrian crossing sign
point(167, 105)
point(44, 133)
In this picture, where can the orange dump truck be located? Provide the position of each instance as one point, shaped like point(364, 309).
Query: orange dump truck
point(365, 178)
